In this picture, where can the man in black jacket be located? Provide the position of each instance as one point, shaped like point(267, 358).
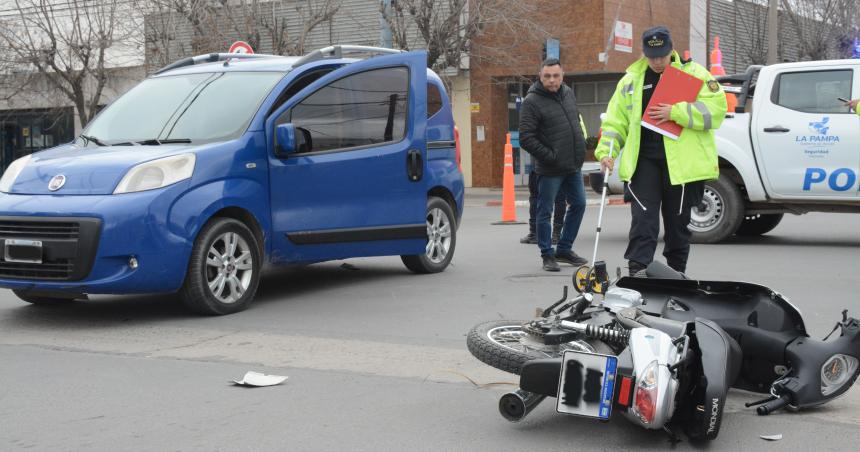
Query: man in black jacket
point(550, 132)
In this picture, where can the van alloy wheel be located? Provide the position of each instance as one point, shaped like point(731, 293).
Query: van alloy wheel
point(438, 236)
point(230, 267)
point(441, 239)
point(224, 269)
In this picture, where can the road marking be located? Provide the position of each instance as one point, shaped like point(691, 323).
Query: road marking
point(273, 350)
point(436, 364)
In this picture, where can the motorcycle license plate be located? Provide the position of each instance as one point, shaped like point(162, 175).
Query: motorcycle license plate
point(587, 384)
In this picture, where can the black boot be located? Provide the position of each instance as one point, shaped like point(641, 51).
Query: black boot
point(530, 238)
point(636, 269)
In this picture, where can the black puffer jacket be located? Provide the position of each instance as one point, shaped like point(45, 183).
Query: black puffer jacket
point(550, 130)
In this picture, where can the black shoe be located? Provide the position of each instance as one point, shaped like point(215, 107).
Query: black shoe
point(636, 269)
point(530, 239)
point(569, 257)
point(549, 264)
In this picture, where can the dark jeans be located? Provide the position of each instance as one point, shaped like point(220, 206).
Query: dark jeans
point(573, 190)
point(650, 186)
point(558, 211)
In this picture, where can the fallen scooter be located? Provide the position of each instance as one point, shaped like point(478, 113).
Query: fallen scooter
point(664, 351)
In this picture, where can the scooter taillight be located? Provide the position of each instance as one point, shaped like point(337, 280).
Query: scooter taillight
point(645, 398)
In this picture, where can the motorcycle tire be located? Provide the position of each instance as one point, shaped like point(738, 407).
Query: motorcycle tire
point(483, 343)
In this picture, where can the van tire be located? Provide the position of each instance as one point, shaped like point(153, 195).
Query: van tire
point(231, 279)
point(723, 213)
point(759, 224)
point(441, 239)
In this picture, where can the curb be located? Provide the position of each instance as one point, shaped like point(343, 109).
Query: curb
point(588, 202)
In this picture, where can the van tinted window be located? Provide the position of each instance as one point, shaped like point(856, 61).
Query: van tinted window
point(357, 110)
point(434, 99)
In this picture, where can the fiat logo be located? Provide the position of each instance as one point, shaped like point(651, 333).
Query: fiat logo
point(57, 182)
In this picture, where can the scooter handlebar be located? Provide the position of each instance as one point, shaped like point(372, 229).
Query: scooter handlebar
point(773, 405)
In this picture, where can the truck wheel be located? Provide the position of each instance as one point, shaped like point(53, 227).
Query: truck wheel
point(759, 224)
point(224, 269)
point(441, 239)
point(720, 213)
point(30, 297)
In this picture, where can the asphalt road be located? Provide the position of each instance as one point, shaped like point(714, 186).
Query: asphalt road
point(376, 356)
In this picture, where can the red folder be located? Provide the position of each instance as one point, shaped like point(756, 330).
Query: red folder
point(675, 86)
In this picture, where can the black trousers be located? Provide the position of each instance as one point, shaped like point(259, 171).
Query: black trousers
point(557, 213)
point(651, 194)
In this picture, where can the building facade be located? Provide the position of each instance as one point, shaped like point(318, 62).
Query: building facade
point(593, 61)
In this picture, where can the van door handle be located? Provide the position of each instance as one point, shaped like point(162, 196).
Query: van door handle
point(773, 129)
point(414, 165)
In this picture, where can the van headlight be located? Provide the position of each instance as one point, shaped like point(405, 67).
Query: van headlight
point(13, 172)
point(837, 371)
point(157, 174)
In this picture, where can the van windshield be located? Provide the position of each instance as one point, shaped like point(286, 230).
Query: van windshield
point(196, 107)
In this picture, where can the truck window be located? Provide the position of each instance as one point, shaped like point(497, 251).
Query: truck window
point(813, 91)
point(357, 110)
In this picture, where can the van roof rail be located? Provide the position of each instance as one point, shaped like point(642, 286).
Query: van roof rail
point(211, 58)
point(337, 52)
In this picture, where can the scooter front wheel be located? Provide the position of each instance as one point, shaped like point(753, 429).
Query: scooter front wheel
point(507, 345)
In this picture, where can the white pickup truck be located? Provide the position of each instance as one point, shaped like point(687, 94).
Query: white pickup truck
point(790, 146)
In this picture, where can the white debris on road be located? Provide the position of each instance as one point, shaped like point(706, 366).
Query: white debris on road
point(256, 379)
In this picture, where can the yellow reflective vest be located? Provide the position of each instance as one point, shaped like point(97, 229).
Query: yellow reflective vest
point(693, 157)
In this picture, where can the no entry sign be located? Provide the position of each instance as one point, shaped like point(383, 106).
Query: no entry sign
point(240, 47)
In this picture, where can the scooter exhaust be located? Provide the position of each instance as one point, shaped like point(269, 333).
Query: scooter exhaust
point(515, 406)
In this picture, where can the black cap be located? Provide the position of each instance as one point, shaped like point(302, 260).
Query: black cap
point(656, 42)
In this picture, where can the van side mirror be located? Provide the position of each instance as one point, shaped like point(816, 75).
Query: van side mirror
point(291, 139)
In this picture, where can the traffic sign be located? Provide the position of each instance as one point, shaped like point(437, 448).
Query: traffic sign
point(240, 47)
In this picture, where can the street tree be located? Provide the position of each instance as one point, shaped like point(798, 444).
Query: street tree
point(821, 25)
point(277, 27)
point(65, 49)
point(447, 29)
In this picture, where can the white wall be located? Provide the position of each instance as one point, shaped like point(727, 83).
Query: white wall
point(460, 104)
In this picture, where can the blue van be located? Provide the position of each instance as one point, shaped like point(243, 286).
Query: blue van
point(219, 164)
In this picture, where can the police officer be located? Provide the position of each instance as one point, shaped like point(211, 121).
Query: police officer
point(661, 175)
point(852, 104)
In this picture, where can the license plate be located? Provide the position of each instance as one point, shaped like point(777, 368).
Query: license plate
point(28, 251)
point(587, 384)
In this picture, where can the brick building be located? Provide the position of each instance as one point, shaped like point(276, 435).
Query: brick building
point(583, 29)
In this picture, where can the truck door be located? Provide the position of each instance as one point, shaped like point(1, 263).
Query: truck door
point(806, 138)
point(359, 189)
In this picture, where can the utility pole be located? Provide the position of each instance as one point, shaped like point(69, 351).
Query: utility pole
point(772, 31)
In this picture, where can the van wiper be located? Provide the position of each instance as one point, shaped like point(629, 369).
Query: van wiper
point(92, 139)
point(156, 141)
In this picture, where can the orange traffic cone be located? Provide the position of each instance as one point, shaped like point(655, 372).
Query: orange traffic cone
point(717, 69)
point(509, 203)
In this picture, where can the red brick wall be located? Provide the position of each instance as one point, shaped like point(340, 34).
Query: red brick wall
point(499, 55)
